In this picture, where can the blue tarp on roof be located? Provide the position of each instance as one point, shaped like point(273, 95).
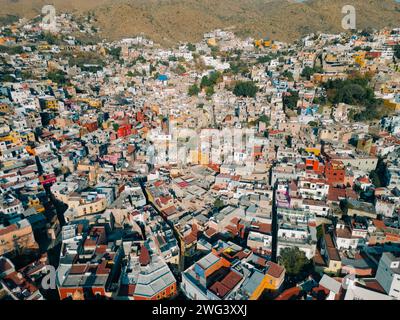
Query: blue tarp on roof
point(162, 77)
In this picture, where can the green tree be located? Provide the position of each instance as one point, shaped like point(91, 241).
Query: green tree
point(245, 89)
point(313, 124)
point(289, 140)
point(288, 74)
point(210, 91)
point(193, 90)
point(205, 82)
point(11, 49)
point(212, 79)
point(379, 175)
point(264, 119)
point(218, 204)
point(115, 52)
point(239, 67)
point(308, 72)
point(191, 47)
point(294, 260)
point(290, 99)
point(397, 51)
point(57, 76)
point(152, 69)
point(356, 91)
point(180, 69)
point(50, 38)
point(7, 78)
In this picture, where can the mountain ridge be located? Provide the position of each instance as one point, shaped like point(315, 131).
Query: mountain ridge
point(172, 21)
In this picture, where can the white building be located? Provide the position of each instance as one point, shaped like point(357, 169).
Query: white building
point(388, 274)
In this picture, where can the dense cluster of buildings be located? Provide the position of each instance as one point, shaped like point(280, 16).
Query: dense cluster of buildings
point(108, 170)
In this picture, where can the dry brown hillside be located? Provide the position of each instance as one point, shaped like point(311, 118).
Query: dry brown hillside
point(169, 21)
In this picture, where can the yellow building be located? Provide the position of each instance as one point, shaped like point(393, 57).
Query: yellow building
point(204, 158)
point(14, 137)
point(4, 108)
point(155, 109)
point(212, 42)
point(315, 151)
point(49, 103)
point(83, 207)
point(6, 138)
point(92, 169)
point(95, 103)
point(44, 47)
point(18, 138)
point(359, 58)
point(322, 78)
point(267, 43)
point(333, 267)
point(258, 43)
point(392, 104)
point(35, 203)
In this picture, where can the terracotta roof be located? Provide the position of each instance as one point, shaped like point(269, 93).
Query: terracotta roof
point(318, 260)
point(333, 254)
point(274, 270)
point(5, 265)
point(210, 232)
point(232, 229)
point(78, 269)
point(144, 257)
point(165, 200)
point(334, 194)
point(169, 211)
point(158, 183)
point(221, 288)
point(265, 228)
point(231, 280)
point(343, 233)
point(379, 224)
point(289, 293)
point(373, 285)
point(235, 220)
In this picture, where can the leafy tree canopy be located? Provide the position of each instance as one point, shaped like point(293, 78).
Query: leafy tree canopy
point(294, 260)
point(245, 89)
point(193, 90)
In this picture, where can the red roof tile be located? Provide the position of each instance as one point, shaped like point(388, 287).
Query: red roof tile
point(274, 270)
